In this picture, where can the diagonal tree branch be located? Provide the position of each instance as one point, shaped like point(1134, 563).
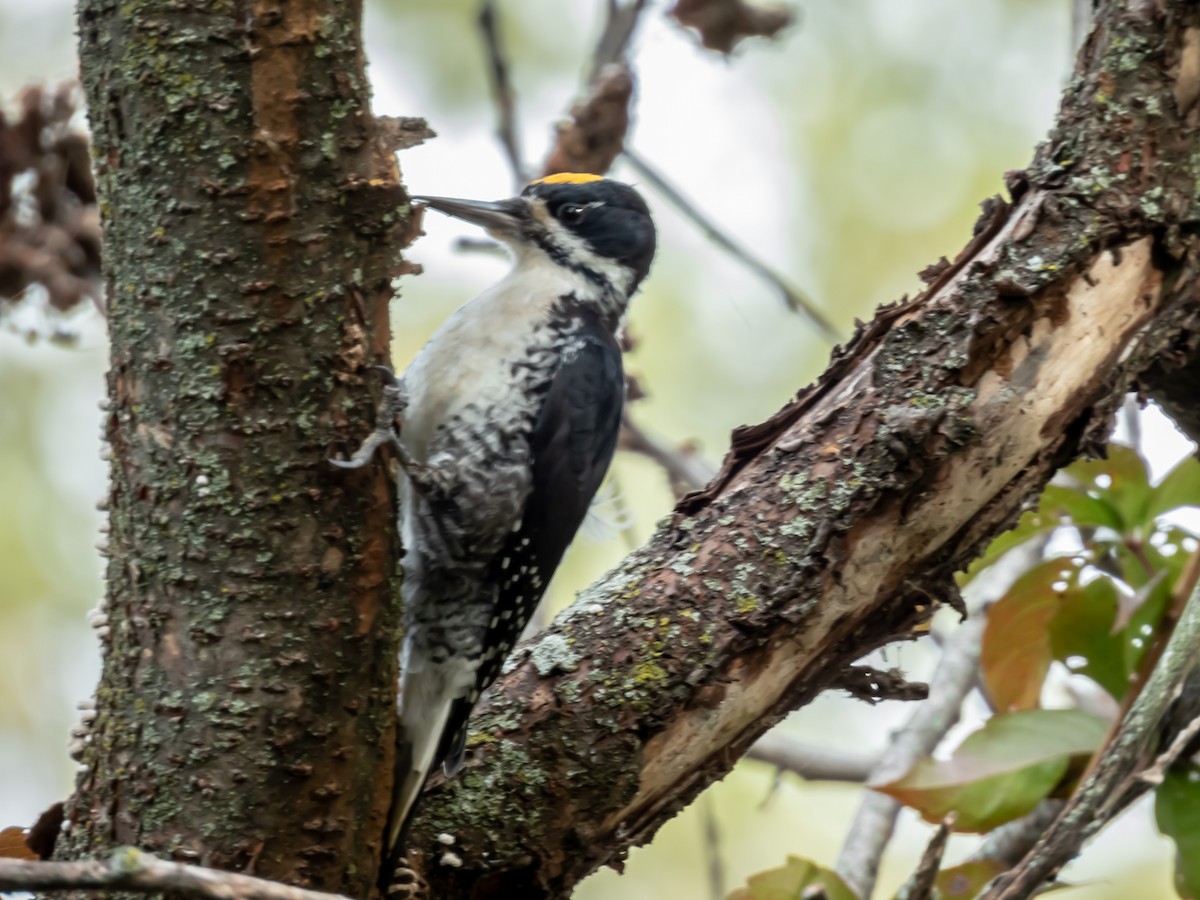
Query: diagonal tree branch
point(832, 522)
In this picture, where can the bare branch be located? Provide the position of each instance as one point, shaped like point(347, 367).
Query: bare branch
point(614, 41)
point(811, 762)
point(1154, 775)
point(503, 94)
point(869, 834)
point(685, 468)
point(920, 884)
point(129, 869)
point(795, 300)
point(1009, 843)
point(712, 849)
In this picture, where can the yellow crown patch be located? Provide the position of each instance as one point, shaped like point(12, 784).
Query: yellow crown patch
point(568, 178)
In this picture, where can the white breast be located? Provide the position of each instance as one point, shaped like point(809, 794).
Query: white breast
point(469, 358)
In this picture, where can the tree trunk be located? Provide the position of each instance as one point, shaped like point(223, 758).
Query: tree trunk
point(253, 218)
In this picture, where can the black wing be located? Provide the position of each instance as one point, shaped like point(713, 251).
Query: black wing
point(571, 446)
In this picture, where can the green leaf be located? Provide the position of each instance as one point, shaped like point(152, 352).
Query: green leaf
point(1080, 507)
point(1016, 641)
point(1137, 637)
point(967, 880)
point(1177, 810)
point(1121, 482)
point(1082, 635)
point(1169, 551)
point(1000, 772)
point(789, 882)
point(1180, 487)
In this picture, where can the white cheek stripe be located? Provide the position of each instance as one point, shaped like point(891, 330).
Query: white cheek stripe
point(579, 252)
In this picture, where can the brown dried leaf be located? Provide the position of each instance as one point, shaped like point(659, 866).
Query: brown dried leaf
point(50, 226)
point(595, 134)
point(724, 23)
point(12, 844)
point(45, 831)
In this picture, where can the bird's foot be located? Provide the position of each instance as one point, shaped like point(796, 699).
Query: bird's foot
point(406, 884)
point(387, 425)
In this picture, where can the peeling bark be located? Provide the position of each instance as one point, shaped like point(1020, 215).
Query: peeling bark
point(253, 215)
point(836, 525)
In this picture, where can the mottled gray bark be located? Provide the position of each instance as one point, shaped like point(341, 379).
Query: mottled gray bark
point(253, 218)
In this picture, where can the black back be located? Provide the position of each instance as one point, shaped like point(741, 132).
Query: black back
point(572, 445)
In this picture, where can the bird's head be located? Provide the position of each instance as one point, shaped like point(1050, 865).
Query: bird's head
point(597, 228)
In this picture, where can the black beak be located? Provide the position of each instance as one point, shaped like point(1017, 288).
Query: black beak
point(505, 216)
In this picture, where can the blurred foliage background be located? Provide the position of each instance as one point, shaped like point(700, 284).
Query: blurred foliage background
point(848, 154)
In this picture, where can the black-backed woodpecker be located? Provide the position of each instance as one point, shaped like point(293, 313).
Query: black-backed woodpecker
point(504, 426)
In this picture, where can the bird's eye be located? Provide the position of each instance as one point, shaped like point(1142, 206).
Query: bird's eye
point(571, 214)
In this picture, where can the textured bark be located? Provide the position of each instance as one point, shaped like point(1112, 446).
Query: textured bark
point(837, 525)
point(253, 215)
point(1176, 386)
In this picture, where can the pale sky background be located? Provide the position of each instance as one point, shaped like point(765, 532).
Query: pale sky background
point(849, 154)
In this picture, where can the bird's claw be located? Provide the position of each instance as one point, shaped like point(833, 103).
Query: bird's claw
point(386, 375)
point(387, 420)
point(367, 450)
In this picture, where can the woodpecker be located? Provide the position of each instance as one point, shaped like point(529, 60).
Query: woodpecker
point(504, 425)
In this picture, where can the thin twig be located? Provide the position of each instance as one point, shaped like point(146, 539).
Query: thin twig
point(1156, 773)
point(712, 850)
point(858, 863)
point(129, 869)
point(810, 762)
point(685, 469)
point(503, 94)
point(795, 300)
point(1009, 843)
point(1106, 790)
point(482, 246)
point(920, 884)
point(614, 39)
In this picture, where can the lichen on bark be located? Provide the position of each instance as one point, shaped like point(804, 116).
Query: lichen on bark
point(253, 222)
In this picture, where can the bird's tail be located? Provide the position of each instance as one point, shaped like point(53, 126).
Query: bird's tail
point(426, 704)
point(408, 784)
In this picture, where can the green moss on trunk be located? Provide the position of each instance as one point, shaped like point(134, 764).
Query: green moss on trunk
point(253, 220)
